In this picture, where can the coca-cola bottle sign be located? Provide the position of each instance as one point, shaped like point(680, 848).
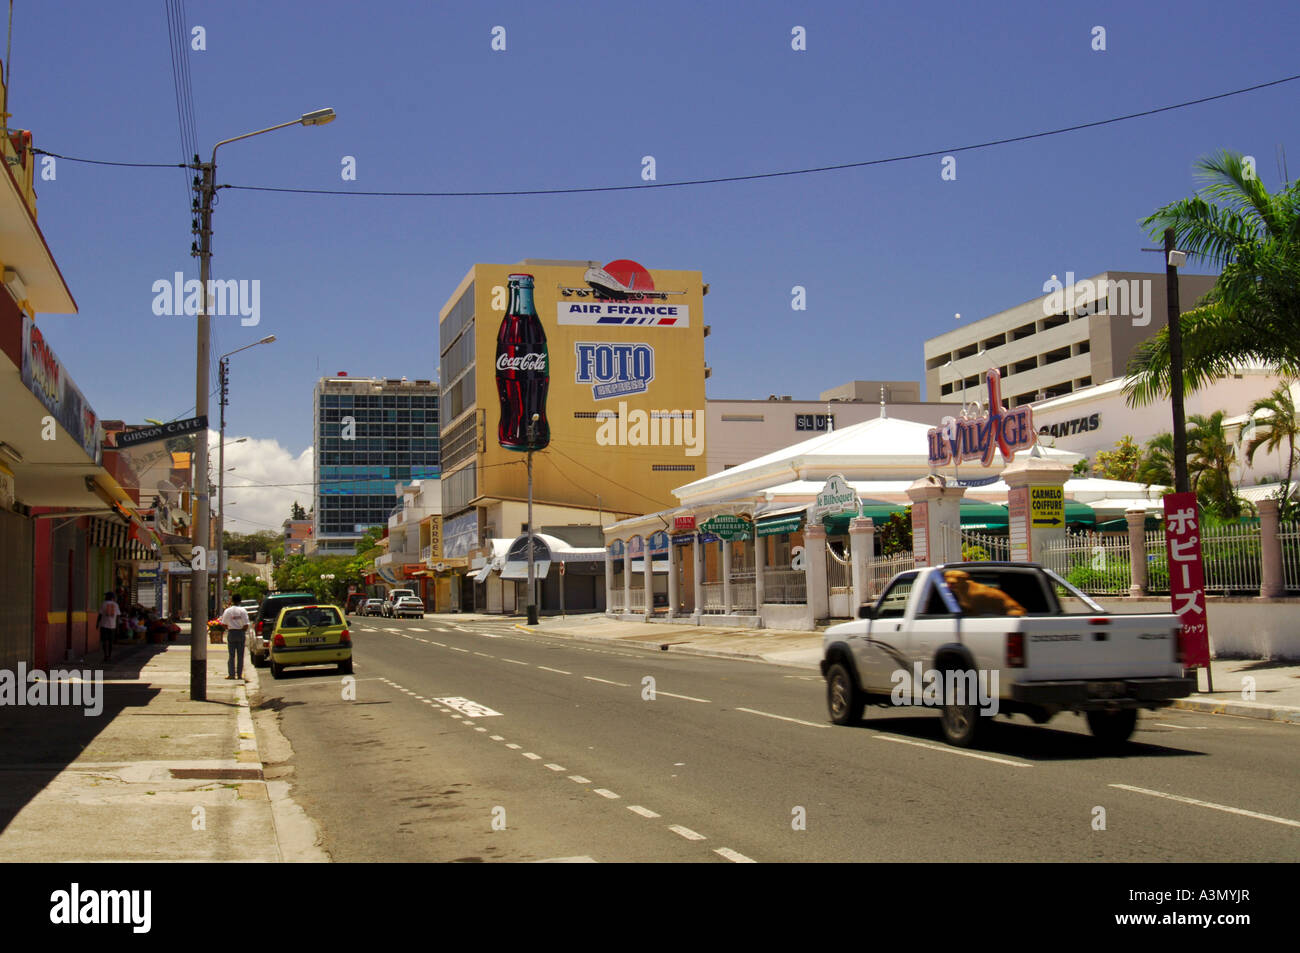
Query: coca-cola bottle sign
point(523, 370)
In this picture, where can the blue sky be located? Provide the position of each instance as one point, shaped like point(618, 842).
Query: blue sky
point(887, 254)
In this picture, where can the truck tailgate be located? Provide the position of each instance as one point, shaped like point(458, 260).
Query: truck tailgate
point(1098, 647)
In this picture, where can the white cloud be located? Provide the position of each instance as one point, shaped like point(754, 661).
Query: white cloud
point(264, 485)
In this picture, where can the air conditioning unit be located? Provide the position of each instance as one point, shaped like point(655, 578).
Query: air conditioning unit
point(15, 285)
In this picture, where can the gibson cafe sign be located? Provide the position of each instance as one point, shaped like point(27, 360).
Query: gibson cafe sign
point(956, 441)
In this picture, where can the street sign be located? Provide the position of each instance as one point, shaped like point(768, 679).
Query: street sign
point(1187, 577)
point(730, 528)
point(176, 428)
point(1046, 506)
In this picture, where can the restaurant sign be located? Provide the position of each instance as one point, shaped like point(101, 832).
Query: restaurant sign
point(956, 441)
point(835, 497)
point(730, 528)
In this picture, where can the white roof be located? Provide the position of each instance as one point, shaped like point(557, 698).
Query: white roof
point(887, 447)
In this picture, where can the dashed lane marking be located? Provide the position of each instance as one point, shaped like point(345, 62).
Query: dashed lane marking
point(514, 661)
point(457, 648)
point(557, 671)
point(485, 655)
point(579, 779)
point(686, 832)
point(497, 737)
point(532, 757)
point(512, 746)
point(604, 792)
point(643, 811)
point(593, 678)
point(557, 767)
point(1216, 807)
point(467, 707)
point(945, 750)
point(797, 721)
point(734, 856)
point(688, 698)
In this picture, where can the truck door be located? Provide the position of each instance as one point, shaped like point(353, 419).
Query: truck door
point(880, 652)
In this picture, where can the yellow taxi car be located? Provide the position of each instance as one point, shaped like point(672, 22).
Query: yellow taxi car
point(311, 635)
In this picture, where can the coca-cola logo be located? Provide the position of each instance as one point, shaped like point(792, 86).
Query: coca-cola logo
point(522, 362)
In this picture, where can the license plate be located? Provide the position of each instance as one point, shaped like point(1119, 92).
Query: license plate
point(1106, 689)
point(311, 639)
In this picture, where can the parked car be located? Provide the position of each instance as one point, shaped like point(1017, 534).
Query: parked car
point(259, 640)
point(373, 607)
point(391, 601)
point(410, 606)
point(354, 603)
point(977, 638)
point(311, 635)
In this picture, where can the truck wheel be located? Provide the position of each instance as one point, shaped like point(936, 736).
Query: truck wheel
point(842, 696)
point(962, 724)
point(1112, 728)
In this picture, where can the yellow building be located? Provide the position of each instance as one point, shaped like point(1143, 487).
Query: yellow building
point(625, 403)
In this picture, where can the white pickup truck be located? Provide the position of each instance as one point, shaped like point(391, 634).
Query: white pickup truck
point(979, 639)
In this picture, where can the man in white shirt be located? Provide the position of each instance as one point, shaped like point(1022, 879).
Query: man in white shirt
point(108, 613)
point(235, 619)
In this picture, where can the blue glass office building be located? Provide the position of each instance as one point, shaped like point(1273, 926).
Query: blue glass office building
point(371, 434)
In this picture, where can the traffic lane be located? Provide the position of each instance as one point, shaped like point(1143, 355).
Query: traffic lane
point(1067, 743)
point(703, 765)
point(431, 786)
point(648, 834)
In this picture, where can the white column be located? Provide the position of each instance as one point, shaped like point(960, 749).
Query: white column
point(609, 580)
point(627, 576)
point(935, 505)
point(861, 542)
point(672, 579)
point(1025, 477)
point(1137, 552)
point(726, 577)
point(760, 563)
point(649, 581)
point(814, 539)
point(697, 553)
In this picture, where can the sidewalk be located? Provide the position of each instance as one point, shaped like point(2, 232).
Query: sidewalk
point(1276, 683)
point(154, 776)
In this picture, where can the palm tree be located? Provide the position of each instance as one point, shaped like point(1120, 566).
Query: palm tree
point(1157, 467)
point(1253, 312)
point(1281, 425)
point(1210, 456)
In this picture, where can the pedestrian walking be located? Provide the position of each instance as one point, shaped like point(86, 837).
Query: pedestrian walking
point(235, 619)
point(109, 614)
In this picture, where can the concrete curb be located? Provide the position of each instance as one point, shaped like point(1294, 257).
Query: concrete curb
point(674, 648)
point(1256, 710)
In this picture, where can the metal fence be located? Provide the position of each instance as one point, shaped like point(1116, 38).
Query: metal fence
point(636, 602)
point(785, 586)
point(1289, 534)
point(713, 601)
point(886, 568)
point(1097, 563)
point(839, 571)
point(616, 599)
point(975, 546)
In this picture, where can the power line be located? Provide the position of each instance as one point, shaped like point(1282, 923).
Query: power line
point(745, 178)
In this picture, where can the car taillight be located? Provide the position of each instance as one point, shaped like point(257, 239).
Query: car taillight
point(1015, 650)
point(346, 636)
point(260, 623)
point(278, 640)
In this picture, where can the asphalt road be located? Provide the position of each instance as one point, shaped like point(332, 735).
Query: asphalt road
point(479, 742)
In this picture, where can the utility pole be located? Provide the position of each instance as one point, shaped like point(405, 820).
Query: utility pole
point(223, 374)
point(202, 538)
point(1176, 366)
point(532, 597)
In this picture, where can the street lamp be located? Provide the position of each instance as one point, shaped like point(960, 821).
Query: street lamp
point(532, 599)
point(223, 373)
point(207, 185)
point(327, 577)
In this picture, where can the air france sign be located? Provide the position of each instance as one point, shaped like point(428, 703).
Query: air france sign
point(624, 314)
point(614, 370)
point(1006, 430)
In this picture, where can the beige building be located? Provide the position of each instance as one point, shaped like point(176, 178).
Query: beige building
point(1078, 334)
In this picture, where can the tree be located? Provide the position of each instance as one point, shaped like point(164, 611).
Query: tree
point(249, 587)
point(297, 512)
point(1281, 425)
point(1082, 468)
point(1210, 457)
point(895, 534)
point(1122, 463)
point(1253, 311)
point(1157, 468)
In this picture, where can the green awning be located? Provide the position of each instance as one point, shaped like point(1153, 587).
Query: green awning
point(788, 523)
point(977, 515)
point(1079, 513)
